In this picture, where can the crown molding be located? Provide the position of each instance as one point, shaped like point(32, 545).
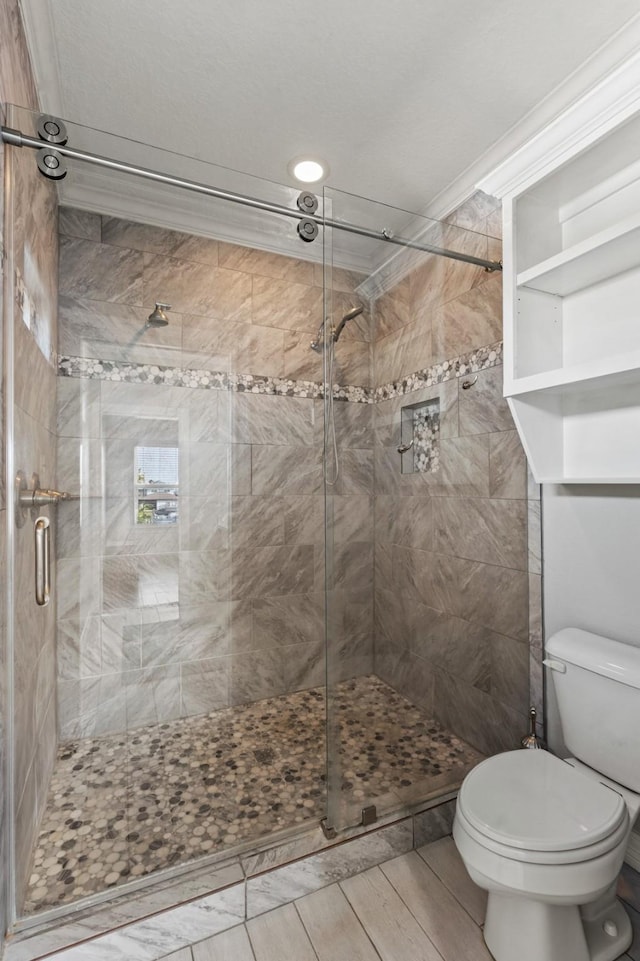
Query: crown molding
point(601, 93)
point(43, 50)
point(603, 105)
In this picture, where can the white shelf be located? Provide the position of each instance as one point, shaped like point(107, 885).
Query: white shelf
point(587, 480)
point(572, 320)
point(606, 254)
point(618, 369)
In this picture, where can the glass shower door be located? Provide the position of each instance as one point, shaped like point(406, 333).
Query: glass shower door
point(169, 702)
point(412, 645)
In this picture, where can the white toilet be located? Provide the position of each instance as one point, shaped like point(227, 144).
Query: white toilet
point(546, 837)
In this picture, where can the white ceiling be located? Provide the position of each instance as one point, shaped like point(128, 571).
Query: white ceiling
point(400, 96)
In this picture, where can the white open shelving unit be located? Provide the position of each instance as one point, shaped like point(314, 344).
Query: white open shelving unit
point(572, 304)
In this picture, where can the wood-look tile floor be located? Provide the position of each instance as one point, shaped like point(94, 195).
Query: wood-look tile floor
point(421, 906)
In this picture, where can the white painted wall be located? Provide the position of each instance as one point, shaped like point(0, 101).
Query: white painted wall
point(591, 538)
point(591, 573)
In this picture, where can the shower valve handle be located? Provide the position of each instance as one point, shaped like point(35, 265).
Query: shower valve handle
point(403, 448)
point(42, 498)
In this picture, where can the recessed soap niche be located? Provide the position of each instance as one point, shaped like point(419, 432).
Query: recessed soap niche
point(420, 434)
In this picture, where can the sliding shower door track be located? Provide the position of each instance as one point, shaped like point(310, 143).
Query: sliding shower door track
point(50, 163)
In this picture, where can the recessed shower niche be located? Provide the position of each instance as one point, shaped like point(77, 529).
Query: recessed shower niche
point(420, 437)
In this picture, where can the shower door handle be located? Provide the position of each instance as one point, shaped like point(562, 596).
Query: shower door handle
point(43, 561)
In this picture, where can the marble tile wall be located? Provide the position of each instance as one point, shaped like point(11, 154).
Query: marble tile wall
point(227, 606)
point(34, 257)
point(452, 569)
point(251, 517)
point(233, 308)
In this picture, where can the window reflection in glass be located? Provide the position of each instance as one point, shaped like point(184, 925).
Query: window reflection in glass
point(156, 485)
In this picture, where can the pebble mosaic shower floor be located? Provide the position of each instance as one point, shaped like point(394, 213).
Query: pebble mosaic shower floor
point(123, 806)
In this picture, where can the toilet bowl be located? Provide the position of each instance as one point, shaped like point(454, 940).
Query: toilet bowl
point(546, 839)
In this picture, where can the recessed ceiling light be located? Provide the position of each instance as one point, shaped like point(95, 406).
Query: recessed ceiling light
point(307, 170)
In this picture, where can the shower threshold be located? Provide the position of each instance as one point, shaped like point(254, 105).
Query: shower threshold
point(195, 794)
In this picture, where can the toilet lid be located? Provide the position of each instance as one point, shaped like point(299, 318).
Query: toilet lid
point(534, 801)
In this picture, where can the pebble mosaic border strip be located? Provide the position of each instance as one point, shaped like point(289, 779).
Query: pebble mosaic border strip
point(119, 371)
point(470, 363)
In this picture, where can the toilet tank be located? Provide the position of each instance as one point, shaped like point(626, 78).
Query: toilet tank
point(597, 686)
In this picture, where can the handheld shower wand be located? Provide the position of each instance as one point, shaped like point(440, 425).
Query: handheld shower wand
point(335, 332)
point(350, 314)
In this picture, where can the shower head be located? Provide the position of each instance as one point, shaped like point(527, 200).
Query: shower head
point(350, 314)
point(158, 318)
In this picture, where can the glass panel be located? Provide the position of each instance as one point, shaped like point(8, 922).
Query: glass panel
point(421, 660)
point(256, 567)
point(177, 679)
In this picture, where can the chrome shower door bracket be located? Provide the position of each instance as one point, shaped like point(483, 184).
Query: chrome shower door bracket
point(19, 486)
point(369, 815)
point(329, 832)
point(23, 496)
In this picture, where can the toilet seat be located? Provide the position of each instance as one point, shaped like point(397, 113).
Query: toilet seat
point(531, 806)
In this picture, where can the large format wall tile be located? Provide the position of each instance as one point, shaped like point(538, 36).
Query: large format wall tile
point(80, 223)
point(221, 344)
point(467, 321)
point(464, 467)
point(286, 470)
point(508, 466)
point(100, 272)
point(290, 306)
point(265, 264)
point(451, 584)
point(266, 571)
point(296, 618)
point(158, 240)
point(492, 531)
point(479, 718)
point(251, 518)
point(193, 288)
point(483, 409)
point(116, 331)
point(242, 571)
point(260, 419)
point(494, 596)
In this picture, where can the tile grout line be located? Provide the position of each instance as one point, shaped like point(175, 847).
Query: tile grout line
point(360, 921)
point(422, 928)
point(298, 915)
point(449, 889)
